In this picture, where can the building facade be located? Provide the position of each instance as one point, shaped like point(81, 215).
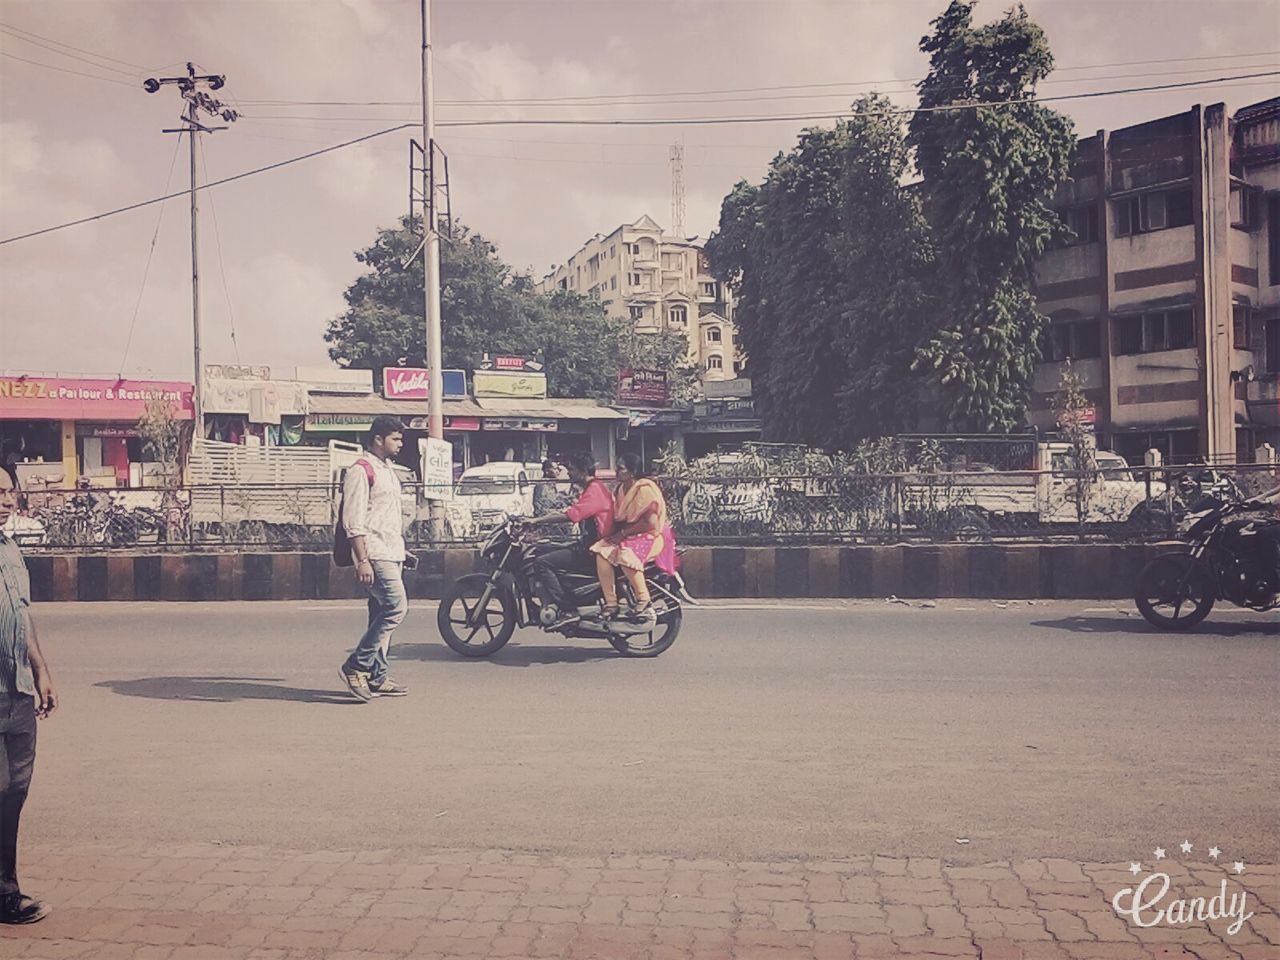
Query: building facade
point(658, 282)
point(1167, 300)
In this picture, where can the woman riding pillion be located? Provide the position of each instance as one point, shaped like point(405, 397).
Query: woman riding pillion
point(641, 534)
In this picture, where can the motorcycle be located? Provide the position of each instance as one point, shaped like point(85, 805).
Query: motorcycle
point(480, 611)
point(1229, 559)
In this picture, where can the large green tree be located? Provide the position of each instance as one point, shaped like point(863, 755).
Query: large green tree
point(828, 257)
point(485, 307)
point(989, 175)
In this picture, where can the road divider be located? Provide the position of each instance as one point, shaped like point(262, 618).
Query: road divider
point(1065, 571)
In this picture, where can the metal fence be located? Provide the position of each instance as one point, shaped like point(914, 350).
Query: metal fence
point(1135, 505)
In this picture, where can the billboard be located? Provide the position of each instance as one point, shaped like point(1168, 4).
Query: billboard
point(642, 388)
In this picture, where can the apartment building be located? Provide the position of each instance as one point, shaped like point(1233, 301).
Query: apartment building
point(658, 282)
point(1167, 300)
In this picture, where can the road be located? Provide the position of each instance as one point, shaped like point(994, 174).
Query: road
point(823, 729)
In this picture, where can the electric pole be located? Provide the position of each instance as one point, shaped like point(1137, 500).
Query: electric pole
point(431, 245)
point(197, 100)
point(677, 190)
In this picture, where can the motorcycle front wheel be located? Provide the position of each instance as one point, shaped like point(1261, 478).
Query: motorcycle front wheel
point(1174, 593)
point(475, 619)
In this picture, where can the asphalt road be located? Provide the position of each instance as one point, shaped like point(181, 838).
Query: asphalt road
point(768, 730)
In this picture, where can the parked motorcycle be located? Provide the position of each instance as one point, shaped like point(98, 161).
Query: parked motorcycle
point(1230, 558)
point(479, 612)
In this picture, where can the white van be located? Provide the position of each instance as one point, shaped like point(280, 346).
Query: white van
point(496, 491)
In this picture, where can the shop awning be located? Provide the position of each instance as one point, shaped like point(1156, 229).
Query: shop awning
point(552, 408)
point(373, 405)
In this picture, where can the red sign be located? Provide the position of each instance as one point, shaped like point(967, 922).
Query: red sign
point(404, 383)
point(462, 423)
point(61, 398)
point(642, 387)
point(508, 363)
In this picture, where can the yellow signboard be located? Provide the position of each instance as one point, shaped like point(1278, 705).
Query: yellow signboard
point(502, 383)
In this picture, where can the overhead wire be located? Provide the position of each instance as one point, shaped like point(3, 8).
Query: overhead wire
point(10, 28)
point(222, 269)
point(78, 73)
point(146, 270)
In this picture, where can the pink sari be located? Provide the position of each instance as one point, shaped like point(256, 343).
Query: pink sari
point(634, 552)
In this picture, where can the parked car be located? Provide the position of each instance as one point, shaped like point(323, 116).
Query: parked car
point(494, 491)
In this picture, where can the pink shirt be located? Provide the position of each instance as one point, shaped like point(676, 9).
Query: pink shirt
point(597, 502)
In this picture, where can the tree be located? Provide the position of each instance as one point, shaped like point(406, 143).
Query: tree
point(829, 259)
point(1074, 415)
point(990, 173)
point(485, 308)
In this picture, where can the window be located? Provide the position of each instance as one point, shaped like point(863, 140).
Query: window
point(1157, 210)
point(613, 251)
point(708, 290)
point(738, 367)
point(715, 363)
point(1153, 332)
point(1273, 239)
point(1081, 340)
point(1240, 326)
point(678, 316)
point(1273, 345)
point(635, 279)
point(1082, 221)
point(633, 249)
point(637, 313)
point(1244, 207)
point(713, 334)
point(613, 283)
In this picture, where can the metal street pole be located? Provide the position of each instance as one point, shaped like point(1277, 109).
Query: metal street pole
point(431, 248)
point(198, 392)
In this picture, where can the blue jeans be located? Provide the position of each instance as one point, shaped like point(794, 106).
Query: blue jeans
point(388, 603)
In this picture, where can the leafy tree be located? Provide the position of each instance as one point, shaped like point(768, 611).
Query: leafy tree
point(829, 261)
point(989, 173)
point(1073, 414)
point(485, 308)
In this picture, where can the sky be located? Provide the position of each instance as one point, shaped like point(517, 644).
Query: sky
point(277, 249)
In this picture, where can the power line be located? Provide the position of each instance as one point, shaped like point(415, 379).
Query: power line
point(765, 89)
point(49, 66)
point(101, 56)
point(146, 270)
point(62, 53)
point(215, 183)
point(222, 269)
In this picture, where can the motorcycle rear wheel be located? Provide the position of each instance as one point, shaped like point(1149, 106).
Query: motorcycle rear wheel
point(472, 624)
point(655, 642)
point(1174, 593)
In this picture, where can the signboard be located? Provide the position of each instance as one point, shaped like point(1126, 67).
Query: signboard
point(105, 431)
point(236, 371)
point(512, 364)
point(653, 418)
point(462, 424)
point(510, 423)
point(437, 468)
point(236, 396)
point(60, 398)
point(339, 422)
point(642, 387)
point(411, 383)
point(335, 380)
point(502, 383)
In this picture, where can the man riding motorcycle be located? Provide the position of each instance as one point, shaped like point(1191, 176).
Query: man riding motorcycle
point(593, 513)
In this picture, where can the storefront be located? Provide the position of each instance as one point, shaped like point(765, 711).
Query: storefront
point(56, 431)
point(242, 404)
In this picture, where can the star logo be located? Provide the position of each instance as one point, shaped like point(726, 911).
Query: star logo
point(1135, 868)
point(1186, 846)
point(1239, 866)
point(1159, 853)
point(1214, 852)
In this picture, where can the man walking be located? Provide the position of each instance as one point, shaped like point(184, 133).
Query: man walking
point(26, 692)
point(373, 521)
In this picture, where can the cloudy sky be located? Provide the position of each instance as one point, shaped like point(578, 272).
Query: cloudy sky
point(84, 138)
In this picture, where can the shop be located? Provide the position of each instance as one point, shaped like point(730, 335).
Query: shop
point(58, 431)
point(243, 405)
point(723, 422)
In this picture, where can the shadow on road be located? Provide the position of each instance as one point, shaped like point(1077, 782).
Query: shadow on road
point(512, 655)
point(1136, 625)
point(221, 690)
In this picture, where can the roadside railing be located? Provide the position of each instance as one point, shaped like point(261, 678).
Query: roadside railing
point(1133, 505)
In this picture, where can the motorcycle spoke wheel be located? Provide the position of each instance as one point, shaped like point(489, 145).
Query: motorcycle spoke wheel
point(471, 628)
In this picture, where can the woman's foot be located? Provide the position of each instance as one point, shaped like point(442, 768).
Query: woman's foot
point(610, 611)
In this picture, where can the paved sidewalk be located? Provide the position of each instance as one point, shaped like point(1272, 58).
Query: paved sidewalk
point(216, 902)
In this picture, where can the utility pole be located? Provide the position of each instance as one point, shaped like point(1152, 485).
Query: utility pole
point(431, 244)
point(197, 100)
point(677, 191)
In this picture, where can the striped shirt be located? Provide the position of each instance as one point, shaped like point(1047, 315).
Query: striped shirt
point(374, 512)
point(15, 603)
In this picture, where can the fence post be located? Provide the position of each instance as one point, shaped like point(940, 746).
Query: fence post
point(897, 506)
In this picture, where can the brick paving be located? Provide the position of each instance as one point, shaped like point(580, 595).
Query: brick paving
point(218, 902)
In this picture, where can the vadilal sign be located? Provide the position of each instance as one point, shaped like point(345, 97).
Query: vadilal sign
point(60, 398)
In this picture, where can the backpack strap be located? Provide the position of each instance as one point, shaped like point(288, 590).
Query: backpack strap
point(368, 470)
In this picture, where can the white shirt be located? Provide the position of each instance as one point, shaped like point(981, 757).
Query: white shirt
point(374, 513)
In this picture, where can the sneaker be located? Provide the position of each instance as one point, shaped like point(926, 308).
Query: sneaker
point(389, 688)
point(357, 682)
point(19, 908)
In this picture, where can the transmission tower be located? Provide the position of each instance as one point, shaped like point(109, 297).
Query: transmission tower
point(677, 190)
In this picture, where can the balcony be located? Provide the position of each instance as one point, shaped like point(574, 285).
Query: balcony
point(1263, 400)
